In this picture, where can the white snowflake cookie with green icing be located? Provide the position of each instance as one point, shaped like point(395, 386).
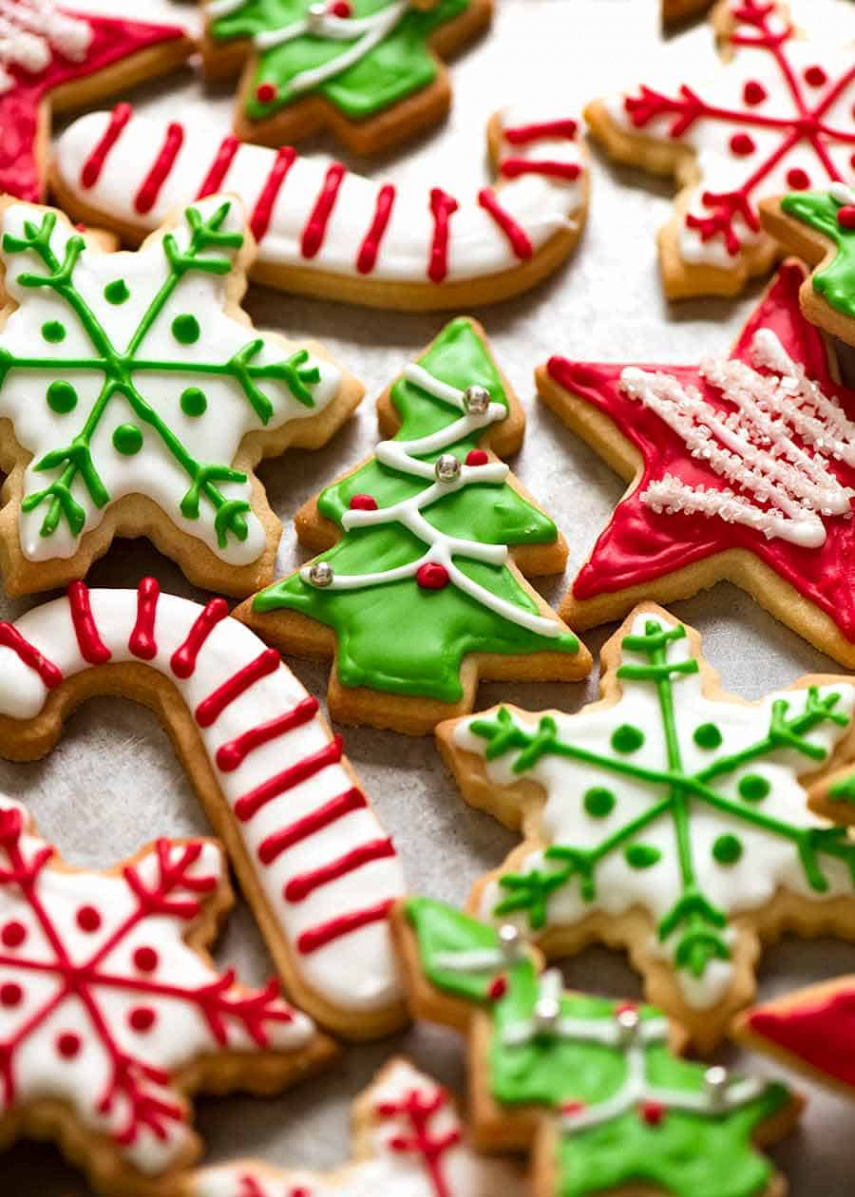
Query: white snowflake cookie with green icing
point(668, 818)
point(136, 399)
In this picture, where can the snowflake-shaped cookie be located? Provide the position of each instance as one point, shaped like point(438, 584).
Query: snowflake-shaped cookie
point(674, 822)
point(139, 399)
point(110, 1006)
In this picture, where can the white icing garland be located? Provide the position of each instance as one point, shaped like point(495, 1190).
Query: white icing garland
point(785, 490)
point(30, 30)
point(403, 456)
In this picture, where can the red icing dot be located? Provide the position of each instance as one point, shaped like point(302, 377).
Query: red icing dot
point(815, 76)
point(498, 989)
point(68, 1044)
point(798, 179)
point(572, 1107)
point(652, 1112)
point(363, 503)
point(476, 457)
point(141, 1019)
point(300, 1191)
point(145, 959)
point(11, 994)
point(754, 93)
point(626, 1008)
point(742, 145)
point(846, 216)
point(341, 8)
point(266, 93)
point(432, 576)
point(13, 934)
point(852, 161)
point(88, 919)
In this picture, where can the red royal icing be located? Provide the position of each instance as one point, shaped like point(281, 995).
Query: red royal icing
point(149, 190)
point(345, 924)
point(11, 638)
point(820, 1031)
point(442, 207)
point(512, 168)
point(94, 164)
point(219, 167)
point(542, 131)
point(280, 841)
point(93, 650)
point(846, 216)
point(517, 237)
point(230, 755)
point(419, 1109)
point(185, 656)
point(249, 804)
point(210, 709)
point(263, 212)
point(363, 503)
point(477, 457)
point(303, 884)
point(142, 642)
point(432, 576)
point(316, 225)
point(367, 257)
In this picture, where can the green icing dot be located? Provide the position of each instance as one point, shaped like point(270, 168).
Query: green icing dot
point(61, 397)
point(727, 849)
point(599, 802)
point(707, 736)
point(127, 440)
point(117, 292)
point(186, 329)
point(53, 331)
point(753, 787)
point(642, 856)
point(194, 402)
point(627, 738)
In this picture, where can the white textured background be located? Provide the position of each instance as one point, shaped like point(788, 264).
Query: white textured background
point(113, 783)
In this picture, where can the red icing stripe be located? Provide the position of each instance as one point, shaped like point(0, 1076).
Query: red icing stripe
point(252, 802)
point(544, 130)
point(142, 643)
point(512, 168)
point(210, 709)
point(263, 211)
point(93, 650)
point(184, 658)
point(236, 751)
point(10, 637)
point(303, 884)
point(316, 225)
point(519, 241)
point(301, 829)
point(366, 259)
point(219, 167)
point(325, 933)
point(147, 195)
point(442, 207)
point(94, 164)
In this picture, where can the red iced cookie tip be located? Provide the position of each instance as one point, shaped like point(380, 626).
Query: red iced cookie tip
point(88, 919)
point(754, 93)
point(68, 1044)
point(798, 179)
point(498, 989)
point(815, 76)
point(363, 503)
point(742, 145)
point(266, 93)
point(652, 1112)
point(846, 216)
point(432, 576)
point(476, 457)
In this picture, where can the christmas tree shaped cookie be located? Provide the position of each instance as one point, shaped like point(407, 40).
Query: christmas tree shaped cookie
point(779, 117)
point(595, 1086)
point(668, 818)
point(368, 70)
point(137, 399)
point(111, 1010)
point(424, 588)
point(742, 468)
point(409, 1141)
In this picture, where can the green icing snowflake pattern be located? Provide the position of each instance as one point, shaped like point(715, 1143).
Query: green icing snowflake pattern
point(124, 374)
point(361, 63)
point(627, 1110)
point(831, 213)
point(668, 800)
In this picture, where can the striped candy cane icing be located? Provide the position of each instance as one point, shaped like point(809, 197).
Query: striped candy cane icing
point(311, 213)
point(326, 869)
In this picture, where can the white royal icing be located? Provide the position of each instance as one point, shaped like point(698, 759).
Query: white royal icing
point(356, 970)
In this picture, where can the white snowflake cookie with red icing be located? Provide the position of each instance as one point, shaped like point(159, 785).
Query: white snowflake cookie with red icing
point(409, 1141)
point(136, 399)
point(323, 230)
point(111, 1010)
point(313, 859)
point(777, 118)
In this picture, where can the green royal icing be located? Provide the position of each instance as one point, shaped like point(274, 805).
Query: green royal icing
point(836, 281)
point(400, 64)
point(399, 637)
point(843, 790)
point(688, 1154)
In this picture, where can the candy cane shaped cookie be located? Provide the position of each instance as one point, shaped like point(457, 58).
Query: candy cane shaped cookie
point(313, 860)
point(324, 231)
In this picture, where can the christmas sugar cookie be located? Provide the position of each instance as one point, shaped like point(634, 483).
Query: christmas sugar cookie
point(680, 10)
point(409, 1141)
point(313, 860)
point(596, 1087)
point(136, 399)
point(370, 71)
point(323, 230)
point(52, 59)
point(423, 591)
point(111, 1011)
point(668, 818)
point(741, 468)
point(778, 118)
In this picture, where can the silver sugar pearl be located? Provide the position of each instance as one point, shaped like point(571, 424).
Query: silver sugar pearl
point(716, 1081)
point(476, 400)
point(321, 574)
point(628, 1023)
point(447, 468)
point(547, 1012)
point(510, 941)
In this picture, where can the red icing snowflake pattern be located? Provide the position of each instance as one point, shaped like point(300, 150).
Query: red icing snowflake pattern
point(103, 1003)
